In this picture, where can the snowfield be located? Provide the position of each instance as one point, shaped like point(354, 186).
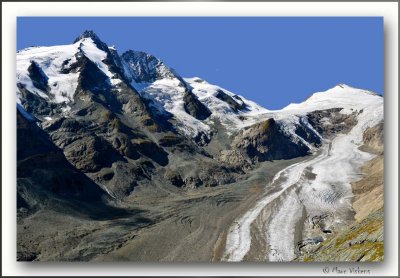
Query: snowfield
point(167, 95)
point(51, 60)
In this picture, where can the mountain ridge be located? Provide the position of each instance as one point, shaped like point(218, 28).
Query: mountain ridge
point(135, 129)
point(150, 90)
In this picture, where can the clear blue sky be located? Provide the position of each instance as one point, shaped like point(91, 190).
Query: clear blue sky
point(271, 60)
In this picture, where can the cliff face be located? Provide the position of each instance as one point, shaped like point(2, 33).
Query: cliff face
point(368, 192)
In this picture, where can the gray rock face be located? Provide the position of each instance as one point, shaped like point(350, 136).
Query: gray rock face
point(91, 153)
point(38, 77)
point(36, 105)
point(373, 138)
point(308, 135)
point(331, 121)
point(262, 142)
point(43, 170)
point(92, 35)
point(206, 173)
point(121, 142)
point(143, 67)
point(116, 59)
point(194, 107)
point(91, 78)
point(87, 34)
point(236, 106)
point(122, 178)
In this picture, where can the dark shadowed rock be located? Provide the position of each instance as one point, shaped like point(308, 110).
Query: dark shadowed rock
point(37, 105)
point(330, 121)
point(31, 140)
point(174, 178)
point(91, 153)
point(194, 107)
point(91, 78)
point(38, 77)
point(307, 134)
point(26, 256)
point(122, 143)
point(42, 169)
point(152, 151)
point(92, 35)
point(170, 140)
point(232, 103)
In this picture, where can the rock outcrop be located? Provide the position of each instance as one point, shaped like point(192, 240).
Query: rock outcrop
point(330, 121)
point(194, 107)
point(143, 67)
point(43, 171)
point(236, 106)
point(38, 77)
point(263, 142)
point(361, 242)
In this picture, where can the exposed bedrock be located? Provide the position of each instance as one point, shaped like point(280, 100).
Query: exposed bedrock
point(262, 142)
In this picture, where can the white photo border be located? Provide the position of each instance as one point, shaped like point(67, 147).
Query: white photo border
point(11, 10)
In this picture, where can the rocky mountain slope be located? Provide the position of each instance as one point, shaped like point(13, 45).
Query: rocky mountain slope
point(100, 134)
point(114, 114)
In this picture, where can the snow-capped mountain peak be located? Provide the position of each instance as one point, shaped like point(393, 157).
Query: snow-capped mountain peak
point(60, 85)
point(142, 67)
point(342, 95)
point(88, 34)
point(56, 65)
point(97, 56)
point(197, 106)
